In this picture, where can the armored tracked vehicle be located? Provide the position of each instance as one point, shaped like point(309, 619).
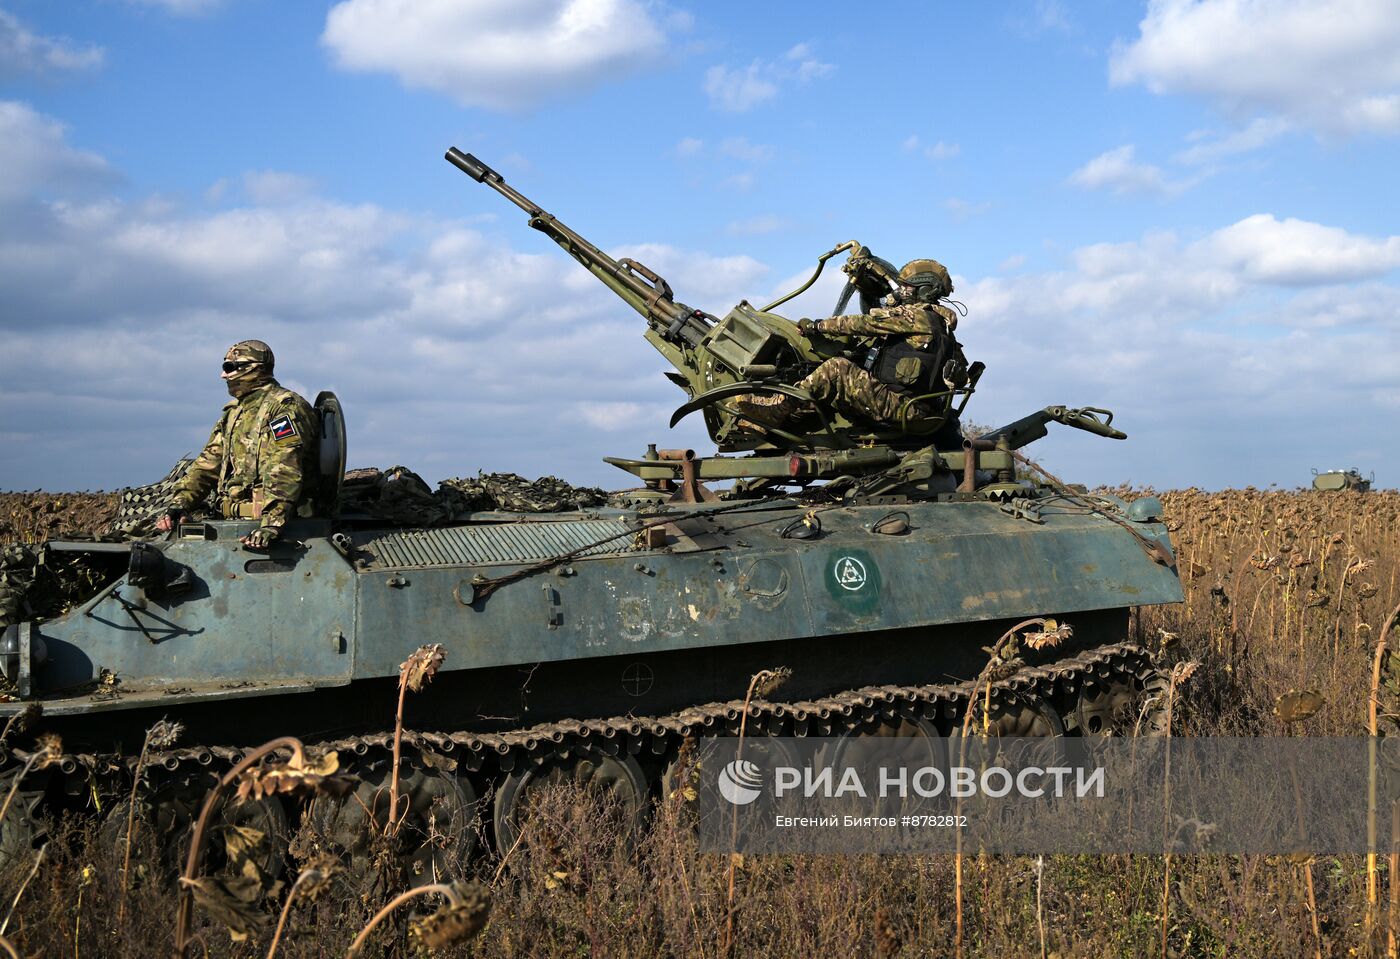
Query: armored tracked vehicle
point(1347, 479)
point(877, 565)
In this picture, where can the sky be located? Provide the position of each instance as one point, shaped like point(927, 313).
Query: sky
point(1184, 211)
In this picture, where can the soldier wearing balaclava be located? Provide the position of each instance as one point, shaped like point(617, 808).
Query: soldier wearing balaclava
point(260, 461)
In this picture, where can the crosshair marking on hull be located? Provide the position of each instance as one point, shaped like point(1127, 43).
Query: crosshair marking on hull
point(637, 679)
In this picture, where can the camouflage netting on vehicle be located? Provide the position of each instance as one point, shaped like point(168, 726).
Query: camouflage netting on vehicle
point(515, 494)
point(38, 583)
point(400, 496)
point(396, 495)
point(141, 506)
point(18, 568)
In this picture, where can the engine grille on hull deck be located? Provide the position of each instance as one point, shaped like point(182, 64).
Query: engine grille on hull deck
point(490, 544)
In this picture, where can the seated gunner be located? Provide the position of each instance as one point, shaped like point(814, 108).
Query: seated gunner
point(914, 354)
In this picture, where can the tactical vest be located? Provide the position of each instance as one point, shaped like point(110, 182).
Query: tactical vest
point(916, 372)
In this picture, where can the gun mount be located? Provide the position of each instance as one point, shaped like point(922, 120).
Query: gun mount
point(754, 350)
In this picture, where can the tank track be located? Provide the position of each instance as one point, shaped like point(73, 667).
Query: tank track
point(943, 704)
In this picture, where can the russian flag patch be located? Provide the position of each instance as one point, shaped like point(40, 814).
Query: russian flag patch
point(282, 428)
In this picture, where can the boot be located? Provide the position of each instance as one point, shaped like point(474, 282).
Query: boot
point(771, 409)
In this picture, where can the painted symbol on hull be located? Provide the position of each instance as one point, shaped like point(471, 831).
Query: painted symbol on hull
point(637, 679)
point(850, 573)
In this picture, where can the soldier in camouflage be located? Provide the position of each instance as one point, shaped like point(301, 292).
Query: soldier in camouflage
point(261, 458)
point(914, 353)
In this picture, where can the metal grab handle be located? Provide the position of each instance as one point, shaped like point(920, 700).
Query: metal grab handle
point(821, 265)
point(660, 285)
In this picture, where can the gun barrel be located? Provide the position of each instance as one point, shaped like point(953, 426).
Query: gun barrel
point(469, 165)
point(482, 173)
point(643, 290)
point(1028, 429)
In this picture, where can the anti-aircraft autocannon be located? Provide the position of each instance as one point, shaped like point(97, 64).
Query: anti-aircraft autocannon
point(755, 350)
point(749, 350)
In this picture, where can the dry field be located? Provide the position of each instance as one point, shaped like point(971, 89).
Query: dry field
point(35, 517)
point(1285, 591)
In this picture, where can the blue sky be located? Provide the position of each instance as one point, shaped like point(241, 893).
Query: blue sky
point(1182, 210)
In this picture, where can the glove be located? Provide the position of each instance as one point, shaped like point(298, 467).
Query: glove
point(261, 538)
point(807, 327)
point(170, 520)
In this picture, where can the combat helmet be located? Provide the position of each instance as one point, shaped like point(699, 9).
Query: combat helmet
point(255, 352)
point(917, 273)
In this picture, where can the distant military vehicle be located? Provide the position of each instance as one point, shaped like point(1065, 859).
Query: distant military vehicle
point(874, 563)
point(1343, 479)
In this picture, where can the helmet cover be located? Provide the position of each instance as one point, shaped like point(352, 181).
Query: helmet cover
point(927, 273)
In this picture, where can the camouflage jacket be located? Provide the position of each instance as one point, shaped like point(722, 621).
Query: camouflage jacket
point(917, 322)
point(260, 460)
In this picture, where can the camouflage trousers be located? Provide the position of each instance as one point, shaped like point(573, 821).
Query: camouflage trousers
point(837, 383)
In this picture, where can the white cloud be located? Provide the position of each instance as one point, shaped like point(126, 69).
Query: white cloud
point(1163, 276)
point(36, 158)
point(1381, 113)
point(1327, 64)
point(1172, 333)
point(713, 283)
point(741, 182)
point(1050, 15)
point(808, 66)
point(1043, 16)
point(680, 21)
point(960, 209)
point(1012, 263)
point(1295, 252)
point(740, 89)
point(1209, 147)
point(1118, 170)
point(1321, 308)
point(611, 417)
point(739, 148)
point(936, 151)
point(499, 56)
point(274, 187)
point(688, 147)
point(23, 51)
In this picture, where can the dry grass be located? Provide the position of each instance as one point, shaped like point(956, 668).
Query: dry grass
point(1285, 591)
point(35, 517)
